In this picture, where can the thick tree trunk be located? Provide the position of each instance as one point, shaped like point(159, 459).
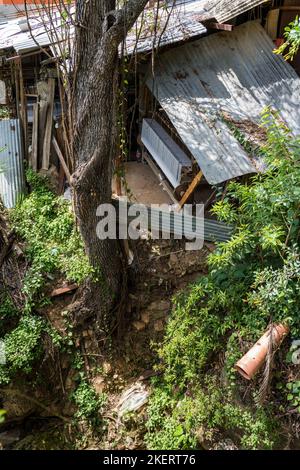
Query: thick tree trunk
point(94, 146)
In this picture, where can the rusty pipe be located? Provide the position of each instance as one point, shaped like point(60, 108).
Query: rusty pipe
point(253, 360)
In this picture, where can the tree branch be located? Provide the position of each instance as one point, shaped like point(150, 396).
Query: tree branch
point(125, 18)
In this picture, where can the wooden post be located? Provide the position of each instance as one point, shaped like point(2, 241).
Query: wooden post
point(23, 112)
point(190, 189)
point(61, 159)
point(17, 86)
point(49, 125)
point(35, 132)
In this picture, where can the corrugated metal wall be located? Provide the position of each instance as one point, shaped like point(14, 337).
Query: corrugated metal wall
point(12, 181)
point(167, 154)
point(210, 230)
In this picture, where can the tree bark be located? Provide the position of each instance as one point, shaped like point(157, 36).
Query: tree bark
point(101, 29)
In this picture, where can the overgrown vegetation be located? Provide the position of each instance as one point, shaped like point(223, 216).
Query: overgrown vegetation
point(253, 281)
point(53, 245)
point(53, 248)
point(291, 45)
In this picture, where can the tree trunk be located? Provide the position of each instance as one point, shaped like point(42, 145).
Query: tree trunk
point(100, 31)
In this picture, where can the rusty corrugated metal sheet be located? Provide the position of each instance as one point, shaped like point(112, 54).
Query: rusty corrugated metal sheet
point(184, 21)
point(234, 73)
point(12, 182)
point(225, 10)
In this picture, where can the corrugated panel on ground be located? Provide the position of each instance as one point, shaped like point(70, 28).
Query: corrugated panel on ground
point(167, 154)
point(235, 73)
point(12, 183)
point(186, 225)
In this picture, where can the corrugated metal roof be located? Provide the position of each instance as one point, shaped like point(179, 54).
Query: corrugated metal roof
point(12, 33)
point(235, 73)
point(173, 25)
point(183, 23)
point(225, 10)
point(12, 181)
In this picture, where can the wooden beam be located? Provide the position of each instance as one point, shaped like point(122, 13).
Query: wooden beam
point(220, 26)
point(61, 159)
point(49, 125)
point(190, 189)
point(23, 112)
point(35, 133)
point(17, 86)
point(290, 8)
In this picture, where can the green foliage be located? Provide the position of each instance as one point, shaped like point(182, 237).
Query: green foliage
point(89, 404)
point(293, 394)
point(185, 422)
point(4, 112)
point(253, 280)
point(292, 40)
point(8, 310)
point(22, 347)
point(53, 245)
point(2, 416)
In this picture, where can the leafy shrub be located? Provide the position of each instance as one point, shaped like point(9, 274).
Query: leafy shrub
point(253, 280)
point(89, 403)
point(22, 347)
point(53, 244)
point(191, 422)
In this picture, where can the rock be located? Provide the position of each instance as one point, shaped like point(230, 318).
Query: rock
point(133, 399)
point(139, 325)
point(160, 305)
point(98, 384)
point(145, 316)
point(8, 438)
point(107, 368)
point(226, 444)
point(15, 405)
point(159, 326)
point(173, 258)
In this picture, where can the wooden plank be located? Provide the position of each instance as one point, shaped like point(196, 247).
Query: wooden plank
point(17, 86)
point(35, 133)
point(64, 290)
point(23, 112)
point(290, 8)
point(49, 125)
point(190, 189)
point(43, 93)
point(271, 26)
point(61, 159)
point(220, 26)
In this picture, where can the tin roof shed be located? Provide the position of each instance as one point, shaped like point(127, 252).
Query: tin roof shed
point(232, 74)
